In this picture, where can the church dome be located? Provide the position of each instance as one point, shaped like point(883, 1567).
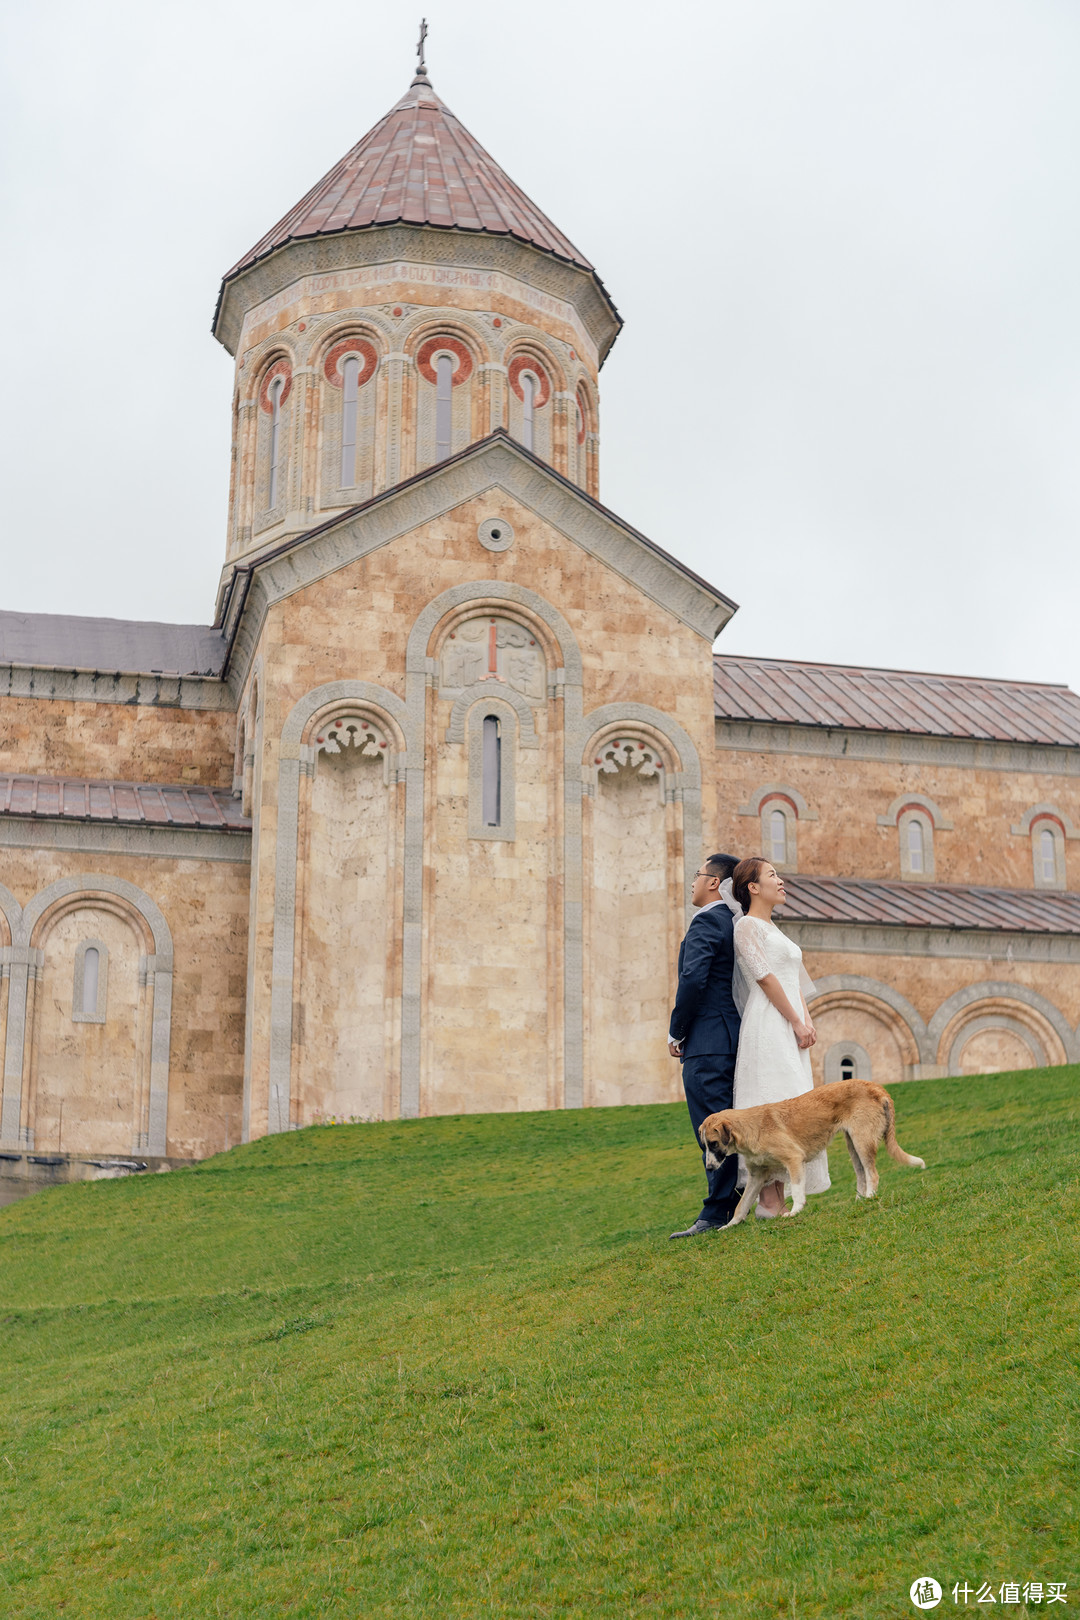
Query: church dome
point(418, 166)
point(412, 303)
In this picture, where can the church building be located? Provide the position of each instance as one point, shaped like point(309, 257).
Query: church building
point(410, 827)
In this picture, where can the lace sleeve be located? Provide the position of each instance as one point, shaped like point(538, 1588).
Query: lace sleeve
point(748, 950)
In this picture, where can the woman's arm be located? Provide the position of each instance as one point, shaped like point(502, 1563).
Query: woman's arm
point(804, 1030)
point(754, 962)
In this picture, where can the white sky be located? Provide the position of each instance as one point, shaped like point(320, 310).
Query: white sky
point(844, 235)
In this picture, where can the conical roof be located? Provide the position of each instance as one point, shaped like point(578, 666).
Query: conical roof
point(418, 166)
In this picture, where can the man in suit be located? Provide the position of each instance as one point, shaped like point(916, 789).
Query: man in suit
point(704, 1030)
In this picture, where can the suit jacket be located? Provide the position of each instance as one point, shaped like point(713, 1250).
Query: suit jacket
point(705, 1017)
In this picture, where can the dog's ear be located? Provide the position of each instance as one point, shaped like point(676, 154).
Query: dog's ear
point(725, 1135)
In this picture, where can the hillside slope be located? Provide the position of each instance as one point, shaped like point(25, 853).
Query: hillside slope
point(453, 1367)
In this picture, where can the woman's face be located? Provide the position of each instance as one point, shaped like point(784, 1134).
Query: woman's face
point(769, 886)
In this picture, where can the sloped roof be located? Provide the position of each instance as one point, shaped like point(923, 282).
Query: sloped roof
point(418, 166)
point(929, 905)
point(67, 798)
point(787, 693)
point(66, 641)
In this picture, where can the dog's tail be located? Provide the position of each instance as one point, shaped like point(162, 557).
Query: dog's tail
point(895, 1151)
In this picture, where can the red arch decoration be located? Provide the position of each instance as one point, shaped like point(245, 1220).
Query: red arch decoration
point(526, 362)
point(280, 368)
point(432, 347)
point(359, 346)
point(583, 410)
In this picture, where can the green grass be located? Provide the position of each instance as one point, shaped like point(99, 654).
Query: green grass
point(453, 1367)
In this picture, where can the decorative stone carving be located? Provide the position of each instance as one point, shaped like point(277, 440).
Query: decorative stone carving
point(356, 736)
point(496, 650)
point(629, 753)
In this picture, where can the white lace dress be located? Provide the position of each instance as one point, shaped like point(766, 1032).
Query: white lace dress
point(769, 1066)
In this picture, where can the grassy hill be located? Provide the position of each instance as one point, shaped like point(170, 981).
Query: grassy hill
point(453, 1367)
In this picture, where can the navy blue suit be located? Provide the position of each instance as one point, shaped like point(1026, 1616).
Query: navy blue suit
point(706, 1020)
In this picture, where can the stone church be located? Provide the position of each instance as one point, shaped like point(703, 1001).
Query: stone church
point(408, 828)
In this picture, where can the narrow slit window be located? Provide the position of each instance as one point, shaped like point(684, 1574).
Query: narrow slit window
point(350, 372)
point(1048, 855)
point(847, 1068)
point(528, 391)
point(276, 389)
point(915, 845)
point(444, 406)
point(778, 837)
point(492, 767)
point(91, 969)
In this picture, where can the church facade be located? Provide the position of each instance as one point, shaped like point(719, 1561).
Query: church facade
point(409, 828)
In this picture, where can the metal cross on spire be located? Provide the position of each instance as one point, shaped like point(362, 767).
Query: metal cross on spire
point(420, 47)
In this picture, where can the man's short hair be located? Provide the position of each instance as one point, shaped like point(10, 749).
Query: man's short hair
point(721, 866)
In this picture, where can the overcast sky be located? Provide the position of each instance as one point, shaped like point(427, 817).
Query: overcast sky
point(844, 236)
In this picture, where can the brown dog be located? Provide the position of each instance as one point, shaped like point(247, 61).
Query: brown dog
point(782, 1136)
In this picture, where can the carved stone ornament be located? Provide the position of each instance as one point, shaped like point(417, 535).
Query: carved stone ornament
point(628, 753)
point(497, 650)
point(495, 534)
point(351, 733)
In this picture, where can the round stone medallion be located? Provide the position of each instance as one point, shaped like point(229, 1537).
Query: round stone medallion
point(495, 534)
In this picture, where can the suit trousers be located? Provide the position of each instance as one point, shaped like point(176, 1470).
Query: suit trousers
point(709, 1083)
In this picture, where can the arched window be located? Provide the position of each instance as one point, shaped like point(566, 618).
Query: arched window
point(350, 375)
point(779, 826)
point(444, 401)
point(529, 386)
point(91, 964)
point(1047, 855)
point(89, 990)
point(492, 771)
point(777, 837)
point(491, 736)
point(918, 821)
point(276, 390)
point(915, 846)
point(846, 1060)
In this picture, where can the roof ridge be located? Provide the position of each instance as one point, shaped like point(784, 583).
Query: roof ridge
point(908, 887)
point(884, 669)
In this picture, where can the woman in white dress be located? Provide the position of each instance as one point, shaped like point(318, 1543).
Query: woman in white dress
point(777, 1032)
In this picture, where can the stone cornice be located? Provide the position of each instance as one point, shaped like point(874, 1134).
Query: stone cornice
point(497, 462)
point(863, 939)
point(896, 748)
point(379, 244)
point(90, 838)
point(130, 688)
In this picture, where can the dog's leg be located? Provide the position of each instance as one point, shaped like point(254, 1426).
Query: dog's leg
point(755, 1180)
point(866, 1145)
point(860, 1169)
point(796, 1170)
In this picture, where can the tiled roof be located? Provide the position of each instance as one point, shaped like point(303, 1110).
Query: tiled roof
point(135, 646)
point(788, 693)
point(929, 905)
point(418, 166)
point(66, 798)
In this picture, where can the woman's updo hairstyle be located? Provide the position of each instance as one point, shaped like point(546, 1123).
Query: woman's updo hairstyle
point(745, 873)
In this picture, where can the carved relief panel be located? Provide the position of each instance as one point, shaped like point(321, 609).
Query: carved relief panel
point(496, 650)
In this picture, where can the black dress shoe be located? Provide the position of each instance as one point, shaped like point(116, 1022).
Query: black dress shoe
point(698, 1227)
